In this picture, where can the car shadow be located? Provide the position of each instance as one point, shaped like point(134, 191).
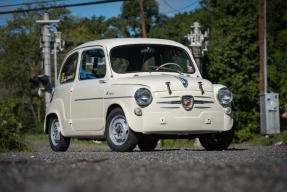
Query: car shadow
point(172, 149)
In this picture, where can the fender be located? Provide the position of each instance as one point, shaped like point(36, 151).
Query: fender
point(216, 87)
point(125, 99)
point(134, 122)
point(57, 107)
point(228, 119)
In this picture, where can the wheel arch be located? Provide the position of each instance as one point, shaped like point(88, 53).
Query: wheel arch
point(47, 120)
point(111, 108)
point(135, 122)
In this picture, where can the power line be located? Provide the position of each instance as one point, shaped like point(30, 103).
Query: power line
point(165, 2)
point(180, 9)
point(60, 6)
point(31, 3)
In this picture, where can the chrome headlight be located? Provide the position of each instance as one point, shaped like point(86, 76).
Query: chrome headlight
point(224, 96)
point(143, 97)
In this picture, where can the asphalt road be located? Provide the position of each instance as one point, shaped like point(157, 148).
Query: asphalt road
point(89, 168)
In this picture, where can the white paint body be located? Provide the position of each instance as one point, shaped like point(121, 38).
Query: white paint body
point(87, 118)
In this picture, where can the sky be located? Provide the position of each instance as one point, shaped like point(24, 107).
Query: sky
point(167, 7)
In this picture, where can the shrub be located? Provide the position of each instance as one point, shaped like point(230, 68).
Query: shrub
point(10, 127)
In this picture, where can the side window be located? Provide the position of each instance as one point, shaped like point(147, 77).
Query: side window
point(93, 64)
point(69, 69)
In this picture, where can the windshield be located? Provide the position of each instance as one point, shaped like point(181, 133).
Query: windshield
point(150, 57)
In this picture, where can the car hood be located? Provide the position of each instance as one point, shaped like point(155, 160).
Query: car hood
point(159, 82)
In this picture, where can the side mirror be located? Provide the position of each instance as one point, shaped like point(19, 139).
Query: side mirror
point(40, 93)
point(37, 81)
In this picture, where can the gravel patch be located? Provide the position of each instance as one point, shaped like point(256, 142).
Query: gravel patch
point(90, 168)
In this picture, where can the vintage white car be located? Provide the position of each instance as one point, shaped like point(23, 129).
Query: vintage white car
point(135, 91)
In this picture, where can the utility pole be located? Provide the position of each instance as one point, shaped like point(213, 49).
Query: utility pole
point(269, 102)
point(262, 46)
point(55, 61)
point(45, 42)
point(196, 40)
point(142, 19)
point(59, 45)
point(262, 63)
point(143, 28)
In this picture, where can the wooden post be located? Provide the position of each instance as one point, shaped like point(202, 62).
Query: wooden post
point(261, 45)
point(143, 28)
point(142, 19)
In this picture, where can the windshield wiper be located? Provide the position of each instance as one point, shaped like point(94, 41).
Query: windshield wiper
point(172, 70)
point(152, 67)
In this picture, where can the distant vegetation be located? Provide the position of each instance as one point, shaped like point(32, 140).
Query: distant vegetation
point(10, 128)
point(232, 57)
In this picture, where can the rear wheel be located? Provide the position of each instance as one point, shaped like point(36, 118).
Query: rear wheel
point(217, 141)
point(118, 134)
point(57, 141)
point(147, 143)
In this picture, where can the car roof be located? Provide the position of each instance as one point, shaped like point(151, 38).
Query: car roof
point(110, 43)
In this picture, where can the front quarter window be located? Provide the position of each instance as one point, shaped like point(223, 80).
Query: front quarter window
point(69, 69)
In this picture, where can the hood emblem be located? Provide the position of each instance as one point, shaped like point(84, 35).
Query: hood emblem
point(183, 81)
point(187, 102)
point(201, 88)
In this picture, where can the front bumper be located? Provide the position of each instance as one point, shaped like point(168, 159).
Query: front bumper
point(167, 116)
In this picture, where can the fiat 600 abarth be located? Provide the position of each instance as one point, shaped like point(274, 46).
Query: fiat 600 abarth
point(135, 91)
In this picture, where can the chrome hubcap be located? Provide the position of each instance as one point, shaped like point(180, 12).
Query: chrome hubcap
point(119, 130)
point(55, 132)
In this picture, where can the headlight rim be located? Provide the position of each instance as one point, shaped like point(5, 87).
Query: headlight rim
point(146, 104)
point(220, 101)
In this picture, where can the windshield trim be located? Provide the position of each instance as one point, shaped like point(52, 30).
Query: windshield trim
point(151, 71)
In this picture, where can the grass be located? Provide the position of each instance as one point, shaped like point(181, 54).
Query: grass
point(258, 140)
point(169, 143)
point(262, 140)
point(178, 143)
point(36, 137)
point(44, 138)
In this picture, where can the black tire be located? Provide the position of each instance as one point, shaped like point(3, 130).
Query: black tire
point(217, 141)
point(121, 145)
point(147, 143)
point(63, 143)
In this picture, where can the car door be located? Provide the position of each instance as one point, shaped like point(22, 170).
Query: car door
point(87, 96)
point(66, 81)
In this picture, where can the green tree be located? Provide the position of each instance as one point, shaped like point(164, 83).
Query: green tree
point(10, 127)
point(232, 59)
point(78, 29)
point(128, 22)
point(20, 59)
point(277, 49)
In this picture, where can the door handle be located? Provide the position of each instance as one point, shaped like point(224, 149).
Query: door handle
point(102, 81)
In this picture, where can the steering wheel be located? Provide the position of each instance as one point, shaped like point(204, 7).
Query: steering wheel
point(165, 64)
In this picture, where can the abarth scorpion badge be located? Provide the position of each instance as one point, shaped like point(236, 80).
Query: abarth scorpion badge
point(187, 102)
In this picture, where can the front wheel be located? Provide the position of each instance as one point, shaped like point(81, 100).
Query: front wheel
point(57, 141)
point(217, 141)
point(118, 134)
